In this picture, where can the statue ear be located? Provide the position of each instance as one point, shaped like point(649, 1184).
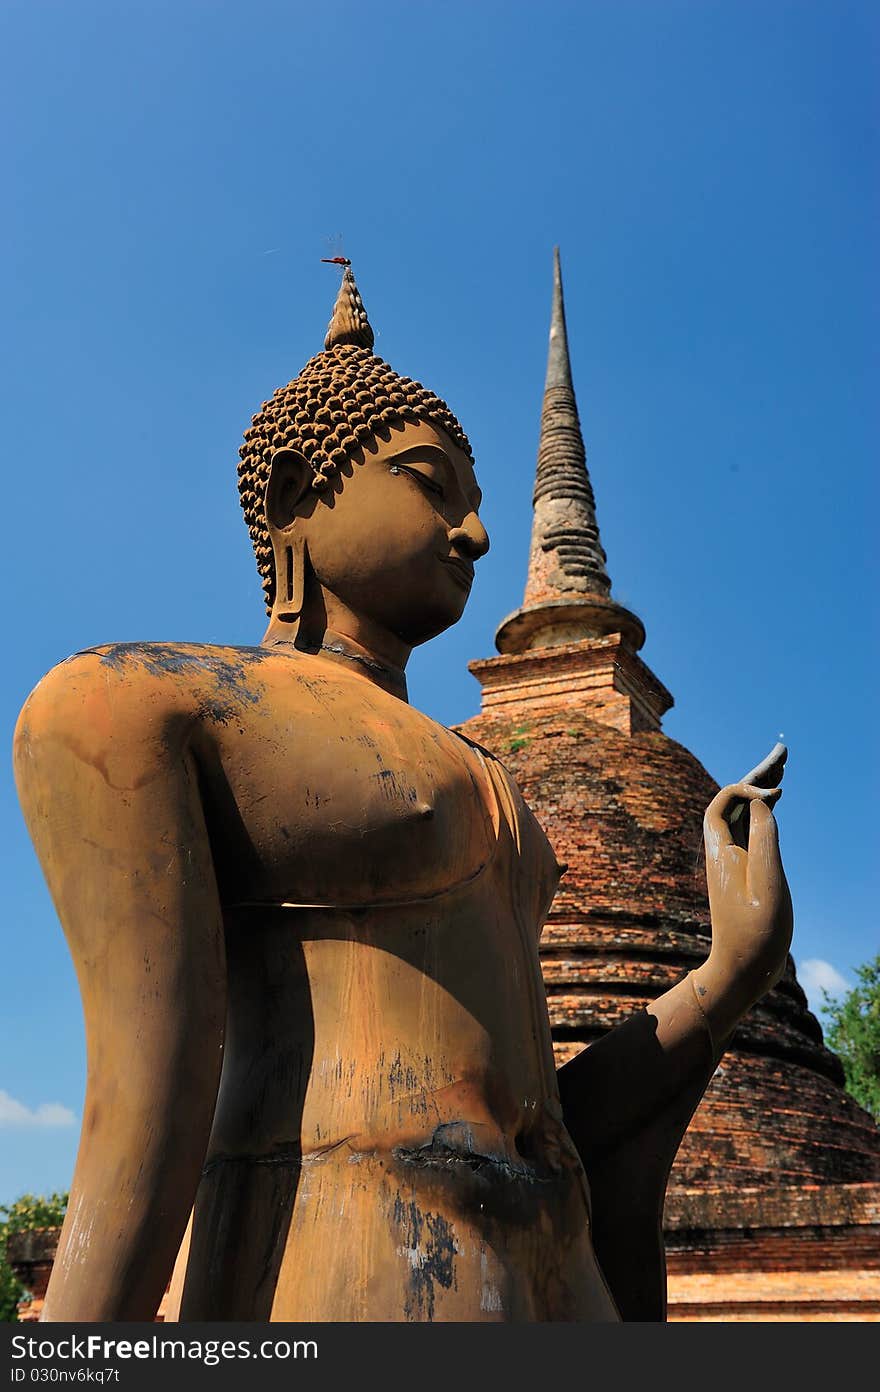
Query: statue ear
point(290, 478)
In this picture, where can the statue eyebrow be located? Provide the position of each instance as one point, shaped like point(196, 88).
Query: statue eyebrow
point(423, 452)
point(439, 456)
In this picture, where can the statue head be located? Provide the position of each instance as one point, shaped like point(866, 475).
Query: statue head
point(365, 479)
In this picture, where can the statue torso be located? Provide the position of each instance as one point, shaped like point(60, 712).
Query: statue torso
point(388, 1097)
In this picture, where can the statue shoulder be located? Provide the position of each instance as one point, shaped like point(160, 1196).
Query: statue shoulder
point(137, 687)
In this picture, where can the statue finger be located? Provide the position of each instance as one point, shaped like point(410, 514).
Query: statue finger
point(768, 774)
point(721, 813)
point(764, 871)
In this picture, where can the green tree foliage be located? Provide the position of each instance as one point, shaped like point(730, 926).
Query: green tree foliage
point(853, 1033)
point(30, 1211)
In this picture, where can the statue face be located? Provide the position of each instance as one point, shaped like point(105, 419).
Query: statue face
point(397, 538)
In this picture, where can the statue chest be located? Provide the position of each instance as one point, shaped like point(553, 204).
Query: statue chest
point(350, 803)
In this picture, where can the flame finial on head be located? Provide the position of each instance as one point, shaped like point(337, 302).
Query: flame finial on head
point(349, 323)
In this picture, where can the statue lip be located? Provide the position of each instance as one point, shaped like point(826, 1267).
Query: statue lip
point(463, 568)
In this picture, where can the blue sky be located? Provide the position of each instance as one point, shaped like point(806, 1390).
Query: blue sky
point(173, 175)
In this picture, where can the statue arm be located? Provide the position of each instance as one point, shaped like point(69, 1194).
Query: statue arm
point(108, 783)
point(628, 1099)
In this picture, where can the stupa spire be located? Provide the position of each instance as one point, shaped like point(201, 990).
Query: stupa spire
point(568, 590)
point(558, 361)
point(566, 554)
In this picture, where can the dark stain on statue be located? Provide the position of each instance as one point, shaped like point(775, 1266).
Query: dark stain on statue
point(393, 788)
point(403, 1080)
point(231, 669)
point(429, 1248)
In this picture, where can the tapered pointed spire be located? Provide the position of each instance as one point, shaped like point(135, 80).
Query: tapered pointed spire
point(558, 361)
point(349, 323)
point(568, 590)
point(566, 554)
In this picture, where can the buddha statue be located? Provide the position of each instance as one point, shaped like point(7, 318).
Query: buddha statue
point(305, 922)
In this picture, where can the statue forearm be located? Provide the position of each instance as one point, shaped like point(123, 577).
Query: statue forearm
point(627, 1102)
point(639, 1072)
point(136, 1174)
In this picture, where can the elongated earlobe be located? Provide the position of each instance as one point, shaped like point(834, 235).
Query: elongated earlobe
point(287, 489)
point(290, 577)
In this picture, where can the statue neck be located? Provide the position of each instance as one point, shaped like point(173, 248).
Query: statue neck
point(367, 660)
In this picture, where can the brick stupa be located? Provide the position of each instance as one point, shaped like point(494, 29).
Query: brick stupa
point(773, 1210)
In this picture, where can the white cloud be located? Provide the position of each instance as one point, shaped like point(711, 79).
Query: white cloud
point(816, 976)
point(13, 1113)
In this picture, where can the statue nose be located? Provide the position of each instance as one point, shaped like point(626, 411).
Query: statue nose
point(470, 537)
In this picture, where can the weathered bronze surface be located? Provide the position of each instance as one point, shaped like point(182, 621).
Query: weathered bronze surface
point(305, 922)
